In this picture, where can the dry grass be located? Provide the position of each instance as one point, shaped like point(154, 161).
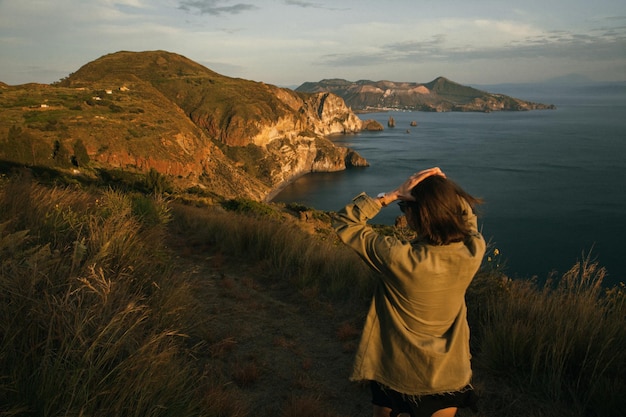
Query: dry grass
point(95, 321)
point(91, 315)
point(287, 253)
point(247, 373)
point(560, 342)
point(348, 331)
point(305, 407)
point(222, 402)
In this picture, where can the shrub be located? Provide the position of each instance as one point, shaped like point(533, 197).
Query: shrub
point(22, 147)
point(60, 154)
point(80, 153)
point(115, 108)
point(250, 207)
point(157, 182)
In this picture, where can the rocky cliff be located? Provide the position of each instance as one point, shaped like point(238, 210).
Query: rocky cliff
point(158, 110)
point(439, 95)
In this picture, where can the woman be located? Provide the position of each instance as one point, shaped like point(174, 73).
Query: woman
point(415, 344)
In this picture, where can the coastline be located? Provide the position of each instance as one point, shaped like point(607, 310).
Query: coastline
point(273, 192)
point(281, 186)
point(528, 200)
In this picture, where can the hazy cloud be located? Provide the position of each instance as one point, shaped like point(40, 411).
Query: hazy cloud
point(308, 4)
point(603, 45)
point(215, 7)
point(301, 3)
point(428, 47)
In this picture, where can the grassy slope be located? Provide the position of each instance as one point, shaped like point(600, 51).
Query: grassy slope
point(120, 122)
point(129, 305)
point(194, 88)
point(133, 128)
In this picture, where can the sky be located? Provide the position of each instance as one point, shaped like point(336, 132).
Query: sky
point(288, 42)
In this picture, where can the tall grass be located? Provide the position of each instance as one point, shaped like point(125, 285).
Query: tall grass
point(92, 320)
point(563, 341)
point(290, 254)
point(95, 321)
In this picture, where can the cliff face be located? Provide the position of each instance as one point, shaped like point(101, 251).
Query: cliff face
point(137, 111)
point(440, 95)
point(296, 144)
point(288, 129)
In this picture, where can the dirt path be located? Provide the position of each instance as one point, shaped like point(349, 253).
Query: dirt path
point(283, 351)
point(277, 350)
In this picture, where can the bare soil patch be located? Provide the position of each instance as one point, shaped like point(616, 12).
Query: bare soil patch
point(277, 347)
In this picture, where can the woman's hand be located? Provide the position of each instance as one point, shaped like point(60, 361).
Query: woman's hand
point(403, 192)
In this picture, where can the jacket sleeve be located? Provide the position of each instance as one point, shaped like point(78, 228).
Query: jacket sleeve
point(351, 226)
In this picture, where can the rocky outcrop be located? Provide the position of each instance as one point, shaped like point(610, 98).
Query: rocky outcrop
point(292, 142)
point(372, 125)
point(319, 114)
point(440, 95)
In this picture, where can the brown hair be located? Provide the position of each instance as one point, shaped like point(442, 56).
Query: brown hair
point(438, 213)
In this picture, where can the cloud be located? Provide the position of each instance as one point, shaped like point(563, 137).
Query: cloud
point(435, 45)
point(215, 7)
point(604, 44)
point(302, 3)
point(308, 4)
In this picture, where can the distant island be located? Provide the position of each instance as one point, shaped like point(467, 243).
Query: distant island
point(439, 95)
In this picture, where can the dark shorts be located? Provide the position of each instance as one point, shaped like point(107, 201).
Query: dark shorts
point(423, 405)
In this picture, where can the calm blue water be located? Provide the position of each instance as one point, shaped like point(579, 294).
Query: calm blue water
point(554, 181)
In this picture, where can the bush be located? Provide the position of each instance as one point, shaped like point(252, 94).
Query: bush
point(80, 153)
point(22, 147)
point(157, 182)
point(250, 207)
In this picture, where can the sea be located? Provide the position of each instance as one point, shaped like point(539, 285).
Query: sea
point(553, 181)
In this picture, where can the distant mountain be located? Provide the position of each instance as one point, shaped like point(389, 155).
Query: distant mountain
point(439, 95)
point(156, 110)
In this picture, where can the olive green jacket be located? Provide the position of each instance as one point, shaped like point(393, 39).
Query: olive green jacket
point(416, 336)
